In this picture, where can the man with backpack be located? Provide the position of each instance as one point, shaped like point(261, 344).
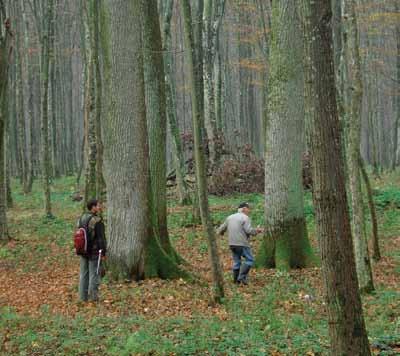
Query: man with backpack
point(239, 232)
point(93, 253)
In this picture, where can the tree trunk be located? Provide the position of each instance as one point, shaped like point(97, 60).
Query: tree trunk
point(126, 155)
point(160, 255)
point(170, 87)
point(345, 316)
point(100, 183)
point(201, 179)
point(376, 254)
point(396, 97)
point(5, 51)
point(47, 57)
point(209, 98)
point(286, 244)
point(89, 104)
point(352, 63)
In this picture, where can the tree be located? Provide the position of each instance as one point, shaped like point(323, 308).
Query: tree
point(47, 57)
point(286, 244)
point(89, 102)
point(177, 149)
point(212, 15)
point(352, 67)
point(160, 258)
point(201, 179)
point(345, 316)
point(5, 52)
point(126, 154)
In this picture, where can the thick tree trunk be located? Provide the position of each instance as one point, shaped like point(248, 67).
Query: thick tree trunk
point(354, 86)
point(286, 244)
point(126, 155)
point(160, 255)
point(201, 179)
point(346, 322)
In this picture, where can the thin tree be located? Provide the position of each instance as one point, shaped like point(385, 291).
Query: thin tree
point(200, 164)
point(5, 52)
point(352, 68)
point(376, 253)
point(46, 57)
point(286, 244)
point(345, 316)
point(170, 91)
point(89, 101)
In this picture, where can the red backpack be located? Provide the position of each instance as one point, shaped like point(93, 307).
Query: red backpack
point(82, 235)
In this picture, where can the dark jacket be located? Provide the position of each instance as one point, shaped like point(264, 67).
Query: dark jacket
point(96, 231)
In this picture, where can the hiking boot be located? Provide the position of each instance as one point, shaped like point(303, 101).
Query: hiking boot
point(235, 274)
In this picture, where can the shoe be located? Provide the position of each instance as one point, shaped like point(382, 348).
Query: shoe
point(244, 271)
point(235, 274)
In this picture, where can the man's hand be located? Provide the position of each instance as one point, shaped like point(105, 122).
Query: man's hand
point(259, 230)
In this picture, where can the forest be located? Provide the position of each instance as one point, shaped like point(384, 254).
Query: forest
point(200, 177)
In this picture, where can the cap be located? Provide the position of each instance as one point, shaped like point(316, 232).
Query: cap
point(244, 205)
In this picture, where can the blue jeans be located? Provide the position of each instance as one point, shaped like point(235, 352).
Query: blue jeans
point(241, 251)
point(89, 280)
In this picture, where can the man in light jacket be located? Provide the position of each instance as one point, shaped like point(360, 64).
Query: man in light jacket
point(239, 232)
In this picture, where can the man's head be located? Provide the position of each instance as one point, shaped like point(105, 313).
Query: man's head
point(94, 206)
point(244, 208)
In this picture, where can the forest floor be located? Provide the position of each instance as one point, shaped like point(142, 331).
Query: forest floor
point(279, 313)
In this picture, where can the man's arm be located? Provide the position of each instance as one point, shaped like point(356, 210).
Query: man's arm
point(101, 237)
point(221, 230)
point(250, 231)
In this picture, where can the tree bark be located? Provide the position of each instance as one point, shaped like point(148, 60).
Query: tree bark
point(126, 154)
point(345, 316)
point(201, 179)
point(47, 57)
point(170, 89)
point(286, 244)
point(376, 254)
point(5, 48)
point(160, 255)
point(352, 64)
point(89, 104)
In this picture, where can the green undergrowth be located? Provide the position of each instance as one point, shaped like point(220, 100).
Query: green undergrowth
point(274, 317)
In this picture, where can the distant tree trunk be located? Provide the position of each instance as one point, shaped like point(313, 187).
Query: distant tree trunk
point(201, 179)
point(20, 100)
point(30, 112)
point(286, 244)
point(5, 48)
point(160, 256)
point(396, 97)
point(353, 69)
point(100, 183)
point(345, 316)
point(376, 254)
point(126, 155)
point(209, 97)
point(10, 201)
point(177, 150)
point(47, 57)
point(89, 104)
